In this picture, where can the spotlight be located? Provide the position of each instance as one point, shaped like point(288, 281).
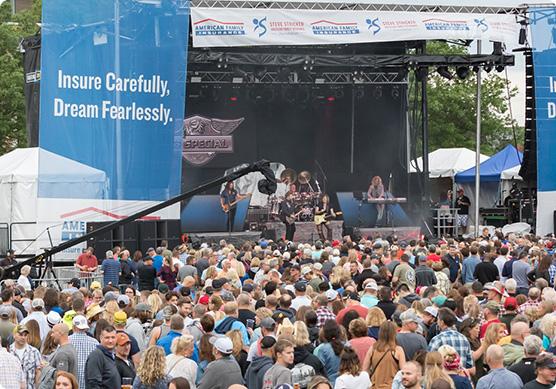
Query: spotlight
point(523, 32)
point(359, 93)
point(233, 99)
point(331, 99)
point(444, 72)
point(462, 72)
point(377, 92)
point(488, 67)
point(500, 68)
point(422, 73)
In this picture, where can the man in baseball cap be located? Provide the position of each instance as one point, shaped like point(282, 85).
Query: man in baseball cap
point(546, 372)
point(224, 371)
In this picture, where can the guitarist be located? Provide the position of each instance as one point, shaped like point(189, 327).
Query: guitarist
point(287, 213)
point(324, 209)
point(228, 200)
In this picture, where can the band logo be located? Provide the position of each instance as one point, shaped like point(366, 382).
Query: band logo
point(326, 27)
point(212, 27)
point(205, 137)
point(374, 25)
point(445, 25)
point(72, 230)
point(481, 24)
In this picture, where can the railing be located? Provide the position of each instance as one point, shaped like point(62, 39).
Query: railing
point(446, 221)
point(64, 274)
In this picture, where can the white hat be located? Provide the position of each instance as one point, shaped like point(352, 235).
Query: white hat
point(431, 311)
point(53, 318)
point(222, 344)
point(331, 294)
point(306, 270)
point(37, 303)
point(317, 266)
point(371, 285)
point(80, 322)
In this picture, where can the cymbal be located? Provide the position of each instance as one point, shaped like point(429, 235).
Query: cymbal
point(288, 175)
point(304, 177)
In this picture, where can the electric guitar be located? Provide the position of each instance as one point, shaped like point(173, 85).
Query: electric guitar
point(226, 207)
point(323, 218)
point(290, 219)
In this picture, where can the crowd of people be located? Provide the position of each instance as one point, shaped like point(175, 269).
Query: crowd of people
point(354, 314)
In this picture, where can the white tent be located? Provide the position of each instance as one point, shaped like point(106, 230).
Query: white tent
point(21, 182)
point(448, 162)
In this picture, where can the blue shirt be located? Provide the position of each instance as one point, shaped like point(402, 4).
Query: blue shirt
point(111, 269)
point(237, 325)
point(166, 341)
point(157, 262)
point(468, 268)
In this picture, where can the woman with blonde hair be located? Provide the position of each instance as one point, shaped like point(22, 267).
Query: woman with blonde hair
point(179, 364)
point(451, 363)
point(494, 333)
point(110, 308)
point(155, 302)
point(547, 326)
point(34, 337)
point(471, 307)
point(151, 373)
point(434, 370)
point(375, 317)
point(238, 352)
point(285, 328)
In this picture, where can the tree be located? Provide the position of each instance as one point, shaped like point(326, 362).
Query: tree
point(13, 28)
point(452, 108)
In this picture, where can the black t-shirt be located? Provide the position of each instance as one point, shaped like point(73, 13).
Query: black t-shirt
point(147, 275)
point(525, 369)
point(537, 385)
point(463, 208)
point(486, 272)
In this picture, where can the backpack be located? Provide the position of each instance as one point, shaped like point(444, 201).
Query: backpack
point(302, 374)
point(47, 379)
point(225, 325)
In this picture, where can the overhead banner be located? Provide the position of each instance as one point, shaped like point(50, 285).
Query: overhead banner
point(213, 27)
point(544, 61)
point(113, 91)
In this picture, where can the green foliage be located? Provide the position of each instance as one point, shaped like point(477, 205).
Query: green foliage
point(12, 103)
point(452, 108)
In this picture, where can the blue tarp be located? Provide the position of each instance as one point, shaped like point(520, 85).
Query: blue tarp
point(491, 169)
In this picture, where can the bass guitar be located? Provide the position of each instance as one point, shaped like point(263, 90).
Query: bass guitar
point(290, 219)
point(323, 218)
point(226, 207)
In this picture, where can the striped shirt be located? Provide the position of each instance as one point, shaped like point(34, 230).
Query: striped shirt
point(84, 345)
point(30, 361)
point(11, 374)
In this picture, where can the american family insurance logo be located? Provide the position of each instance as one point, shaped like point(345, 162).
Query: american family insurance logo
point(210, 27)
point(327, 27)
point(446, 25)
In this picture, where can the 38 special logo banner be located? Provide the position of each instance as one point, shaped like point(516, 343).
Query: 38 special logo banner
point(544, 61)
point(113, 90)
point(248, 27)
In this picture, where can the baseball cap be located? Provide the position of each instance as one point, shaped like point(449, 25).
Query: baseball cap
point(371, 285)
point(5, 311)
point(150, 249)
point(122, 338)
point(80, 322)
point(350, 295)
point(331, 295)
point(545, 361)
point(120, 317)
point(76, 282)
point(163, 288)
point(37, 303)
point(95, 285)
point(167, 312)
point(305, 270)
point(317, 266)
point(247, 288)
point(222, 344)
point(300, 286)
point(204, 299)
point(110, 296)
point(123, 299)
point(219, 283)
point(143, 307)
point(409, 316)
point(53, 318)
point(492, 306)
point(267, 342)
point(18, 329)
point(510, 303)
point(432, 311)
point(268, 323)
point(439, 300)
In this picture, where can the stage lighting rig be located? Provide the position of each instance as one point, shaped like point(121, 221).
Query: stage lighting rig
point(444, 72)
point(462, 72)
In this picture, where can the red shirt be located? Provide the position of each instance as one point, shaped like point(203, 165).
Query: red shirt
point(87, 260)
point(434, 258)
point(361, 311)
point(485, 325)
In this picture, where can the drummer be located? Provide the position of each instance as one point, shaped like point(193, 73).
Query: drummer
point(304, 179)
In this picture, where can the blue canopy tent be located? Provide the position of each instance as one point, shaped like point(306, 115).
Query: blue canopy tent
point(490, 172)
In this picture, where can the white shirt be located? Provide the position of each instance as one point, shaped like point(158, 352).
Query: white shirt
point(24, 281)
point(499, 262)
point(179, 366)
point(300, 301)
point(347, 381)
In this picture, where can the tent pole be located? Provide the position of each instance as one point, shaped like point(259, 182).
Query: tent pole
point(478, 146)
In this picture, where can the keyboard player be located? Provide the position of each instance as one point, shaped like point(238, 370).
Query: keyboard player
point(376, 191)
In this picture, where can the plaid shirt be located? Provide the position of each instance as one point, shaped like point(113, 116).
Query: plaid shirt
point(84, 345)
point(459, 342)
point(552, 274)
point(11, 374)
point(528, 304)
point(30, 362)
point(324, 314)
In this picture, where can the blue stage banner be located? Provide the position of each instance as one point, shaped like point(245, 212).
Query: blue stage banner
point(543, 30)
point(113, 91)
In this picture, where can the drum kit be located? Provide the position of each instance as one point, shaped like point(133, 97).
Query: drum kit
point(305, 202)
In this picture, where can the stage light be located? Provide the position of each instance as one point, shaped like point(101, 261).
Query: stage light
point(395, 92)
point(500, 68)
point(331, 99)
point(523, 32)
point(377, 92)
point(444, 72)
point(462, 72)
point(487, 68)
point(359, 92)
point(233, 99)
point(338, 93)
point(421, 73)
